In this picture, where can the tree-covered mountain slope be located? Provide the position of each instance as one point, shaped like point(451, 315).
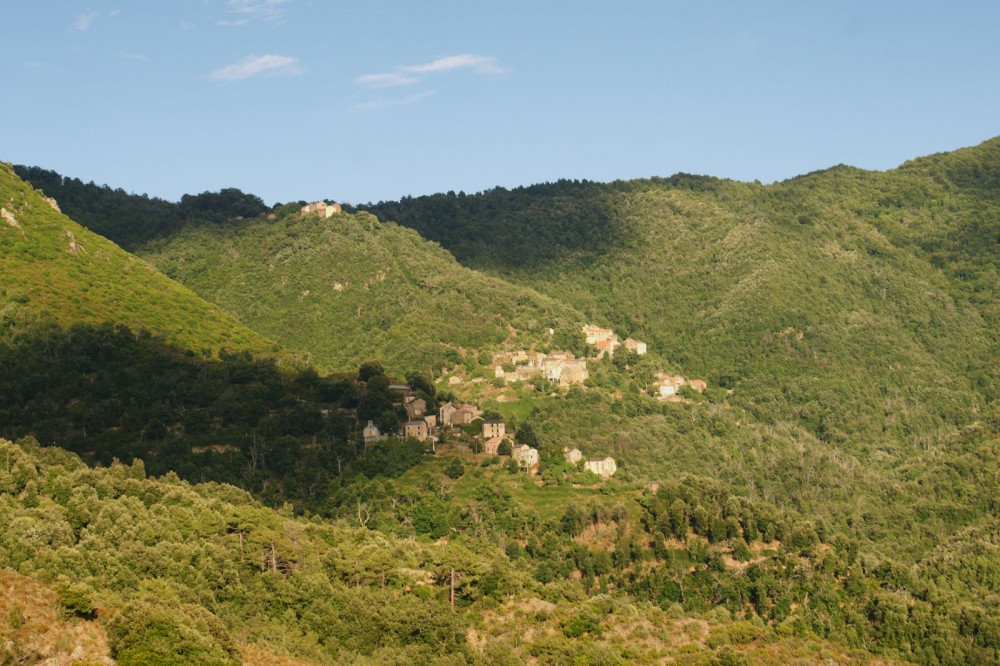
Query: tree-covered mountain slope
point(860, 304)
point(51, 266)
point(349, 288)
point(160, 571)
point(854, 332)
point(832, 496)
point(133, 219)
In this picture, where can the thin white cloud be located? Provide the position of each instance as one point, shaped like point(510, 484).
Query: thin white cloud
point(84, 21)
point(389, 103)
point(132, 56)
point(478, 63)
point(408, 75)
point(246, 11)
point(265, 65)
point(386, 80)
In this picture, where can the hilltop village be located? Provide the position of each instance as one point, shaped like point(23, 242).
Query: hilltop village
point(565, 369)
point(487, 434)
point(462, 422)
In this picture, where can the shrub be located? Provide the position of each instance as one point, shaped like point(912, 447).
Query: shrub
point(455, 468)
point(77, 599)
point(580, 623)
point(154, 631)
point(15, 617)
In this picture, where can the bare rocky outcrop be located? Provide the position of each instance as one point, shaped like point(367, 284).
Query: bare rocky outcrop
point(74, 247)
point(11, 220)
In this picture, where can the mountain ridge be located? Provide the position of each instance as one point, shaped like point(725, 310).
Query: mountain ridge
point(836, 480)
point(55, 268)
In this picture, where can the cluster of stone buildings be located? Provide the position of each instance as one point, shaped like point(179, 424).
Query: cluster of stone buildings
point(526, 458)
point(667, 386)
point(606, 341)
point(493, 435)
point(322, 208)
point(423, 427)
point(494, 432)
point(419, 424)
point(563, 368)
point(602, 467)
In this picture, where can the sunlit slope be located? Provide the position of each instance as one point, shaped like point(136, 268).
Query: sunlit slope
point(348, 289)
point(862, 304)
point(50, 265)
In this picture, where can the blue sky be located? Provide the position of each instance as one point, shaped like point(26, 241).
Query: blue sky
point(376, 99)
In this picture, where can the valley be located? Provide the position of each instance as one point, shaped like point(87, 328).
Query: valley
point(238, 422)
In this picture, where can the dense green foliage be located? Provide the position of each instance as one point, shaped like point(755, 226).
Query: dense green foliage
point(348, 288)
point(835, 488)
point(153, 631)
point(853, 316)
point(129, 219)
point(188, 572)
point(52, 265)
point(105, 392)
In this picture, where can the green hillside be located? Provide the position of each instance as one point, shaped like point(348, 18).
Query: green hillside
point(349, 288)
point(159, 571)
point(133, 219)
point(52, 267)
point(850, 316)
point(859, 305)
point(107, 393)
point(830, 498)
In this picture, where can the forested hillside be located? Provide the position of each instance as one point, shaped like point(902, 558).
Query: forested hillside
point(108, 393)
point(831, 496)
point(52, 267)
point(854, 302)
point(349, 288)
point(175, 573)
point(851, 314)
point(132, 219)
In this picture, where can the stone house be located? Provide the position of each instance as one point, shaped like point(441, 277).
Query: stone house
point(637, 346)
point(414, 406)
point(416, 430)
point(526, 457)
point(524, 372)
point(562, 368)
point(604, 468)
point(371, 434)
point(596, 334)
point(446, 412)
point(431, 420)
point(494, 428)
point(573, 456)
point(465, 414)
point(603, 338)
point(513, 358)
point(668, 385)
point(322, 208)
point(491, 446)
point(607, 347)
point(573, 372)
